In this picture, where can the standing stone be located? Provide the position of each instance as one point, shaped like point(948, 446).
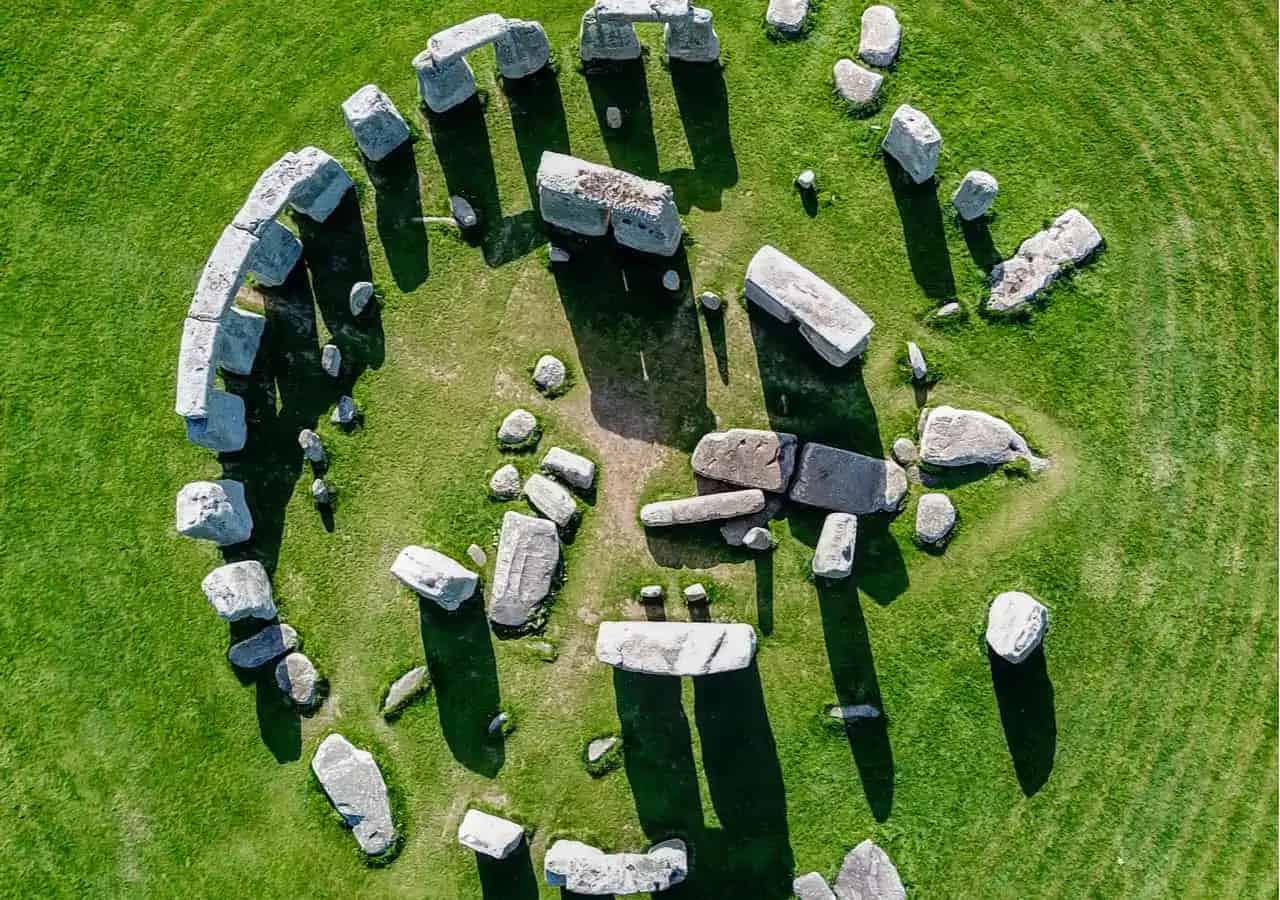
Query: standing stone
point(549, 374)
point(374, 122)
point(528, 557)
point(758, 538)
point(443, 85)
point(963, 437)
point(321, 493)
point(519, 426)
point(976, 193)
point(345, 413)
point(844, 481)
point(919, 369)
point(270, 643)
point(692, 38)
point(550, 499)
point(1041, 259)
point(505, 483)
point(277, 252)
point(197, 366)
point(856, 712)
point(904, 452)
point(881, 36)
point(676, 648)
point(833, 557)
point(748, 457)
point(360, 297)
point(807, 180)
point(214, 511)
point(434, 576)
point(312, 446)
point(869, 874)
point(695, 593)
point(652, 593)
point(582, 869)
point(671, 280)
point(571, 468)
point(811, 887)
point(935, 517)
point(858, 87)
point(947, 310)
point(613, 117)
point(404, 689)
point(600, 747)
point(704, 508)
point(603, 39)
point(914, 142)
point(787, 15)
point(463, 212)
point(239, 338)
point(240, 590)
point(523, 50)
point(490, 835)
point(353, 783)
point(331, 360)
point(710, 301)
point(297, 679)
point(224, 430)
point(1016, 624)
point(558, 254)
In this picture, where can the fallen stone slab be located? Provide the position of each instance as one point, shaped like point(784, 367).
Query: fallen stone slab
point(549, 374)
point(811, 887)
point(976, 193)
point(353, 783)
point(692, 38)
point(844, 481)
point(322, 184)
point(571, 468)
point(676, 648)
point(734, 531)
point(1070, 241)
point(268, 644)
point(458, 40)
point(197, 366)
point(436, 577)
point(214, 511)
point(240, 590)
point(935, 517)
point(914, 142)
point(829, 321)
point(858, 87)
point(523, 50)
point(703, 508)
point(528, 557)
point(582, 869)
point(605, 39)
point(405, 689)
point(223, 429)
point(374, 122)
point(505, 483)
point(278, 251)
point(964, 437)
point(551, 499)
point(222, 275)
point(833, 556)
point(869, 874)
point(239, 338)
point(881, 36)
point(491, 835)
point(749, 457)
point(1016, 624)
point(788, 16)
point(298, 680)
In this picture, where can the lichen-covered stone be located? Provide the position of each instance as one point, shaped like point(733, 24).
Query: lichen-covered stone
point(935, 517)
point(749, 457)
point(692, 38)
point(353, 783)
point(787, 16)
point(312, 446)
point(703, 508)
point(523, 50)
point(298, 680)
point(374, 122)
point(404, 689)
point(551, 499)
point(505, 483)
point(443, 85)
point(223, 429)
point(582, 869)
point(528, 557)
point(277, 252)
point(240, 590)
point(433, 575)
point(549, 374)
point(519, 426)
point(604, 39)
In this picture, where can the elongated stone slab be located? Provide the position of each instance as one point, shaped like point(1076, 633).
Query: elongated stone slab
point(459, 40)
point(1070, 240)
point(582, 869)
point(829, 321)
point(833, 557)
point(491, 835)
point(433, 575)
point(353, 783)
point(703, 508)
point(844, 481)
point(222, 275)
point(964, 437)
point(528, 556)
point(270, 643)
point(676, 648)
point(550, 499)
point(749, 457)
point(571, 468)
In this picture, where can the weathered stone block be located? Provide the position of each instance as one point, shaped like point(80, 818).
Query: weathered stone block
point(748, 457)
point(353, 783)
point(528, 557)
point(844, 481)
point(703, 508)
point(676, 648)
point(914, 142)
point(433, 575)
point(214, 511)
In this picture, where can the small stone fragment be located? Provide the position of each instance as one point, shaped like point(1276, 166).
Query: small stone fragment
point(353, 783)
point(710, 301)
point(297, 679)
point(807, 180)
point(600, 747)
point(914, 142)
point(214, 511)
point(575, 470)
point(858, 87)
point(904, 452)
point(881, 36)
point(833, 556)
point(582, 869)
point(748, 457)
point(505, 483)
point(331, 360)
point(405, 689)
point(501, 724)
point(345, 413)
point(433, 575)
point(947, 310)
point(976, 193)
point(671, 280)
point(374, 122)
point(919, 369)
point(1016, 624)
point(558, 254)
point(549, 374)
point(360, 297)
point(676, 648)
point(935, 517)
point(787, 15)
point(240, 590)
point(703, 508)
point(854, 712)
point(463, 212)
point(869, 874)
point(312, 446)
point(550, 499)
point(758, 538)
point(811, 887)
point(519, 426)
point(321, 493)
point(477, 555)
point(695, 593)
point(490, 835)
point(613, 117)
point(259, 649)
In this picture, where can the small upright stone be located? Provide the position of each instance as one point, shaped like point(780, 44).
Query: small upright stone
point(312, 446)
point(881, 36)
point(787, 15)
point(549, 374)
point(360, 297)
point(613, 117)
point(975, 195)
point(463, 212)
point(747, 457)
point(214, 511)
point(807, 180)
point(904, 452)
point(505, 483)
point(710, 301)
point(758, 538)
point(858, 87)
point(833, 556)
point(935, 517)
point(947, 310)
point(345, 413)
point(490, 835)
point(297, 679)
point(331, 360)
point(404, 689)
point(869, 874)
point(811, 887)
point(914, 142)
point(518, 427)
point(1016, 624)
point(433, 575)
point(571, 468)
point(558, 254)
point(477, 555)
point(240, 590)
point(671, 280)
point(374, 122)
point(919, 369)
point(321, 493)
point(501, 724)
point(599, 748)
point(270, 643)
point(695, 593)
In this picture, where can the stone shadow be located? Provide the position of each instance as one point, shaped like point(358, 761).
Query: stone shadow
point(982, 246)
point(853, 673)
point(922, 231)
point(624, 84)
point(461, 140)
point(537, 118)
point(1024, 694)
point(512, 878)
point(703, 101)
point(398, 195)
point(464, 675)
point(279, 723)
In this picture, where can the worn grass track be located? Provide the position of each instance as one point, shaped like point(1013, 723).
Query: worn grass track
point(136, 762)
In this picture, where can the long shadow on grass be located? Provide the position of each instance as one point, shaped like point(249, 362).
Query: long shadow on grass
point(703, 100)
point(624, 84)
point(512, 878)
point(657, 748)
point(853, 672)
point(922, 231)
point(1024, 694)
point(465, 679)
point(398, 194)
point(982, 246)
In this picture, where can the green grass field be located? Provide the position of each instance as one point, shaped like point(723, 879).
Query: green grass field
point(1140, 762)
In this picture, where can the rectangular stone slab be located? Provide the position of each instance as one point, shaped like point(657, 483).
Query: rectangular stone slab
point(197, 365)
point(223, 274)
point(750, 457)
point(528, 555)
point(676, 648)
point(464, 37)
point(844, 481)
point(641, 10)
point(1071, 240)
point(551, 499)
point(704, 508)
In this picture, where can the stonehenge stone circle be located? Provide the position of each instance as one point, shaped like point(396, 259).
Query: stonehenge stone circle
point(833, 556)
point(919, 368)
point(703, 508)
point(881, 36)
point(214, 511)
point(297, 679)
point(935, 517)
point(868, 874)
point(353, 783)
point(360, 297)
point(582, 869)
point(811, 887)
point(240, 590)
point(493, 836)
point(904, 452)
point(505, 483)
point(676, 648)
point(747, 457)
point(976, 193)
point(551, 499)
point(259, 649)
point(436, 577)
point(528, 557)
point(519, 426)
point(964, 437)
point(844, 481)
point(404, 689)
point(1070, 241)
point(1016, 624)
point(914, 142)
point(549, 374)
point(573, 469)
point(858, 87)
point(374, 122)
point(312, 446)
point(445, 80)
point(587, 198)
point(787, 15)
point(828, 320)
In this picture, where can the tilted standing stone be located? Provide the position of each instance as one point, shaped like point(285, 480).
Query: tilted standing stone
point(1016, 624)
point(858, 87)
point(976, 193)
point(433, 575)
point(528, 557)
point(833, 557)
point(240, 590)
point(270, 643)
point(953, 437)
point(844, 481)
point(914, 142)
point(676, 648)
point(277, 252)
point(881, 36)
point(404, 689)
point(374, 122)
point(490, 835)
point(703, 508)
point(749, 457)
point(353, 783)
point(1070, 241)
point(571, 468)
point(869, 874)
point(214, 511)
point(550, 499)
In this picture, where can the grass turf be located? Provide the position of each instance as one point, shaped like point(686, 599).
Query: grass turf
point(1139, 761)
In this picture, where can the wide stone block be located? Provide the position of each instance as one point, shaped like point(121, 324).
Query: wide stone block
point(703, 508)
point(692, 38)
point(833, 556)
point(436, 577)
point(858, 87)
point(748, 457)
point(914, 142)
point(523, 50)
point(600, 39)
point(964, 437)
point(222, 275)
point(676, 648)
point(353, 783)
point(868, 874)
point(443, 85)
point(881, 36)
point(1016, 624)
point(323, 182)
point(374, 122)
point(1070, 241)
point(528, 557)
point(223, 429)
point(240, 590)
point(976, 193)
point(458, 40)
point(550, 499)
point(582, 869)
point(571, 468)
point(239, 339)
point(787, 15)
point(829, 321)
point(844, 481)
point(214, 511)
point(491, 835)
point(278, 251)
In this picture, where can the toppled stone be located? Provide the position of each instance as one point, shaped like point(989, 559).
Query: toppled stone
point(278, 251)
point(703, 508)
point(297, 679)
point(695, 593)
point(436, 577)
point(869, 874)
point(1016, 624)
point(360, 297)
point(935, 517)
point(575, 470)
point(558, 254)
point(197, 366)
point(549, 374)
point(599, 748)
point(919, 368)
point(710, 301)
point(240, 590)
point(322, 185)
point(312, 446)
point(239, 337)
point(405, 689)
point(947, 310)
point(811, 887)
point(214, 511)
point(331, 360)
point(613, 117)
point(829, 321)
point(787, 15)
point(964, 437)
point(1070, 240)
point(270, 643)
point(582, 869)
point(269, 195)
point(587, 198)
point(490, 835)
point(346, 413)
point(528, 556)
point(523, 50)
point(519, 426)
point(844, 481)
point(735, 531)
point(652, 593)
point(976, 193)
point(748, 457)
point(606, 39)
point(443, 85)
point(476, 554)
point(374, 122)
point(223, 274)
point(904, 452)
point(914, 142)
point(353, 783)
point(676, 648)
point(758, 538)
point(859, 712)
point(858, 87)
point(692, 38)
point(550, 499)
point(881, 36)
point(833, 556)
point(224, 429)
point(807, 180)
point(505, 483)
point(671, 280)
point(321, 493)
point(463, 212)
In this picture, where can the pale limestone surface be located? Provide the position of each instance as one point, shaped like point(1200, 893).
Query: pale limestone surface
point(353, 783)
point(1070, 241)
point(240, 590)
point(491, 835)
point(676, 648)
point(214, 511)
point(528, 557)
point(748, 457)
point(374, 122)
point(881, 36)
point(914, 142)
point(1016, 624)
